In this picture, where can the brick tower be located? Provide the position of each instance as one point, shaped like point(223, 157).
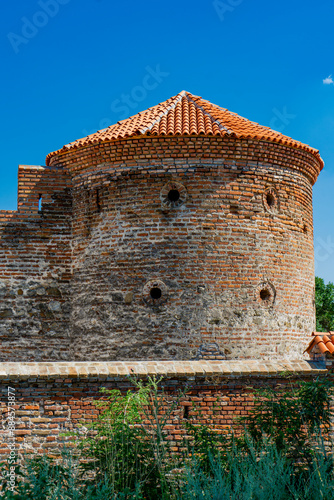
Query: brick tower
point(187, 233)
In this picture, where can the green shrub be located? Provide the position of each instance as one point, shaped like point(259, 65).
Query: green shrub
point(44, 479)
point(291, 418)
point(253, 472)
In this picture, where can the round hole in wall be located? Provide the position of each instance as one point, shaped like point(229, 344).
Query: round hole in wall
point(305, 229)
point(155, 293)
point(265, 294)
point(270, 200)
point(173, 195)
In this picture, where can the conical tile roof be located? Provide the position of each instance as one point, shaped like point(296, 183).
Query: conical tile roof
point(186, 114)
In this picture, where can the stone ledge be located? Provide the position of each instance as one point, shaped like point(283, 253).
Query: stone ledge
point(116, 370)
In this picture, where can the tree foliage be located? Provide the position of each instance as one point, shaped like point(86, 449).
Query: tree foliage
point(324, 304)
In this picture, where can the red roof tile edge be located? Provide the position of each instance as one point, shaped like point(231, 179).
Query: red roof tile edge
point(324, 341)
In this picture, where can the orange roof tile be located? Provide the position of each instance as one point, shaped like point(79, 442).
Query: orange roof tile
point(186, 114)
point(324, 341)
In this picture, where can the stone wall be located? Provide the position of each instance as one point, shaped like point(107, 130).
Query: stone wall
point(53, 398)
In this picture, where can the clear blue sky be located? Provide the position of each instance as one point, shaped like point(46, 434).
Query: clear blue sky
point(69, 65)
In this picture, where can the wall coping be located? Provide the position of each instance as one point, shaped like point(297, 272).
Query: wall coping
point(120, 370)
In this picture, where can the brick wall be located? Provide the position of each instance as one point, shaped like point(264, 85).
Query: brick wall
point(53, 398)
point(235, 273)
point(35, 268)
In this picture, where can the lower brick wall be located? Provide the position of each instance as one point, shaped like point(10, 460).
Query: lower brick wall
point(53, 398)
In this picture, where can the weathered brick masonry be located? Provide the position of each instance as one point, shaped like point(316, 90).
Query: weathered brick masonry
point(214, 255)
point(55, 398)
point(35, 268)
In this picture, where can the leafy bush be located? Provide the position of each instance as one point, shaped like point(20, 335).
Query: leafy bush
point(291, 418)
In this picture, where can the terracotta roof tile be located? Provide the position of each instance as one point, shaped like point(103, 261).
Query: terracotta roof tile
point(324, 342)
point(186, 114)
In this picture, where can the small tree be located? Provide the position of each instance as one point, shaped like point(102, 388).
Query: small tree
point(129, 445)
point(324, 304)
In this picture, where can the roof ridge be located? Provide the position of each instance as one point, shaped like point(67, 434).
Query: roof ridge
point(189, 96)
point(167, 110)
point(215, 120)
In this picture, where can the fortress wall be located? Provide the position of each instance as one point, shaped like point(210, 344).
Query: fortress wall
point(53, 398)
point(35, 262)
point(234, 270)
